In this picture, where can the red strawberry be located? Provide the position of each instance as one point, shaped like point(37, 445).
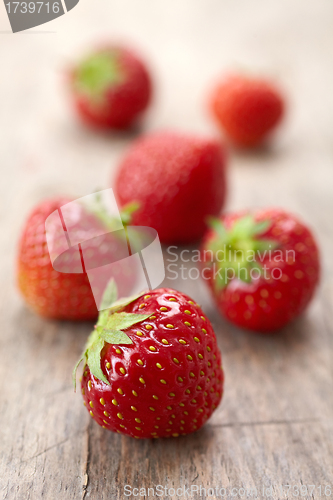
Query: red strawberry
point(111, 87)
point(68, 294)
point(178, 181)
point(263, 267)
point(247, 109)
point(163, 377)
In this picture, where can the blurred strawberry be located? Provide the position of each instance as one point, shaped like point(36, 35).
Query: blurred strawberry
point(247, 109)
point(263, 267)
point(62, 290)
point(178, 181)
point(153, 367)
point(111, 87)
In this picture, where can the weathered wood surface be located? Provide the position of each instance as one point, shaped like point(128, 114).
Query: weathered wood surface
point(275, 424)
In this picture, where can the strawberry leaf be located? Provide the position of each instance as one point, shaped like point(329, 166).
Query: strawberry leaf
point(217, 225)
point(111, 334)
point(103, 317)
point(242, 248)
point(98, 208)
point(108, 329)
point(121, 303)
point(123, 320)
point(110, 295)
point(260, 227)
point(127, 211)
point(242, 228)
point(94, 360)
point(83, 357)
point(115, 337)
point(265, 245)
point(220, 282)
point(98, 72)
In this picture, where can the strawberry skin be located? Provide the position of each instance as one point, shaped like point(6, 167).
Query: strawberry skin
point(178, 181)
point(265, 304)
point(168, 381)
point(65, 295)
point(49, 292)
point(247, 109)
point(110, 88)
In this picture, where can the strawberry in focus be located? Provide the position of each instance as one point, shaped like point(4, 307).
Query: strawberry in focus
point(163, 377)
point(178, 181)
point(67, 294)
point(111, 88)
point(247, 109)
point(263, 267)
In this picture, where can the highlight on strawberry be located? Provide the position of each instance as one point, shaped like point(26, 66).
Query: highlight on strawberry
point(263, 267)
point(178, 180)
point(110, 88)
point(152, 367)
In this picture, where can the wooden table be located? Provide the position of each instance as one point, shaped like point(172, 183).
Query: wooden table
point(275, 425)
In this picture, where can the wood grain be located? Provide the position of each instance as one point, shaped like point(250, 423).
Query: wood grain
point(274, 426)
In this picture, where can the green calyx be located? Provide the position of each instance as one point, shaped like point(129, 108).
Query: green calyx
point(127, 211)
point(99, 72)
point(237, 251)
point(98, 208)
point(109, 329)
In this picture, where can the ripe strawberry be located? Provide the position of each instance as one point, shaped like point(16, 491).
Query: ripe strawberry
point(263, 267)
point(178, 181)
point(247, 109)
point(163, 377)
point(67, 294)
point(111, 87)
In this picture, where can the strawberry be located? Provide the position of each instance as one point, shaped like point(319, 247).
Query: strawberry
point(110, 87)
point(63, 290)
point(262, 267)
point(247, 109)
point(153, 367)
point(178, 181)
